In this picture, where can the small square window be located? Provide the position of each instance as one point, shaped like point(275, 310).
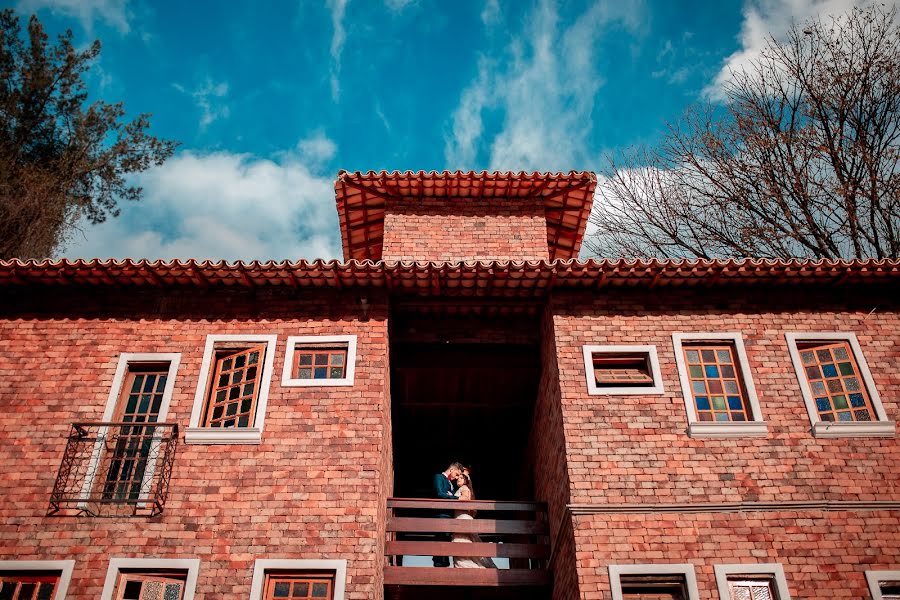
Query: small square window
point(622, 370)
point(151, 585)
point(837, 387)
point(150, 579)
point(233, 390)
point(653, 582)
point(719, 394)
point(884, 585)
point(28, 585)
point(320, 361)
point(298, 586)
point(763, 581)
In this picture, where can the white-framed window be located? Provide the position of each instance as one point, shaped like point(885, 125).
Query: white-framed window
point(622, 370)
point(141, 392)
point(28, 579)
point(717, 385)
point(752, 582)
point(653, 581)
point(298, 579)
point(319, 360)
point(884, 585)
point(837, 386)
point(151, 579)
point(233, 390)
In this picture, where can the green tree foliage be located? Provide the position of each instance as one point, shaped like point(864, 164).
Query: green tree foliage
point(801, 160)
point(62, 159)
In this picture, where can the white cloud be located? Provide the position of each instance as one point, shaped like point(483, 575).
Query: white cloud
point(224, 206)
point(491, 12)
point(545, 90)
point(765, 18)
point(113, 12)
point(398, 6)
point(338, 8)
point(316, 150)
point(208, 98)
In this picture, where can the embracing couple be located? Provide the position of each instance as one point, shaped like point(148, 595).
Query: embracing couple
point(455, 483)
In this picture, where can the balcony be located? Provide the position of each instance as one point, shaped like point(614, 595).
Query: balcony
point(513, 532)
point(115, 469)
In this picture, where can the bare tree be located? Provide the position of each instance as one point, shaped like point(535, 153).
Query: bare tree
point(800, 161)
point(61, 160)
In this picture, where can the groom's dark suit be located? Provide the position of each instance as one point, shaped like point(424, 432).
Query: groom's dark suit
point(443, 489)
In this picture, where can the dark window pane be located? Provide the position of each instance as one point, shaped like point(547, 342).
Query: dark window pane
point(320, 590)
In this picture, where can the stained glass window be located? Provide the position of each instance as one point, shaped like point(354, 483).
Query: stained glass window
point(715, 380)
point(234, 387)
point(27, 586)
point(834, 381)
point(320, 362)
point(752, 589)
point(146, 585)
point(622, 370)
point(293, 586)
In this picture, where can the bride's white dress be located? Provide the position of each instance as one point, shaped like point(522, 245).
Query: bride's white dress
point(469, 562)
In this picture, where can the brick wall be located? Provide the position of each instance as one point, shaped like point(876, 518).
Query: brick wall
point(314, 488)
point(454, 229)
point(634, 449)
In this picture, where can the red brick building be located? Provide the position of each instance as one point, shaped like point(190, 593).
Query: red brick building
point(662, 429)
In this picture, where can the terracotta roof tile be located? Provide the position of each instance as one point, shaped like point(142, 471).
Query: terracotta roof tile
point(471, 278)
point(361, 198)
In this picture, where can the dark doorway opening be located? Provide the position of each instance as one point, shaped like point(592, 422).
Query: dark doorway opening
point(463, 388)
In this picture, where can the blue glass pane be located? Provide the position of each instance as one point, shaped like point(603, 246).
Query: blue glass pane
point(829, 370)
point(857, 400)
point(712, 371)
point(702, 403)
point(845, 416)
point(734, 403)
point(823, 404)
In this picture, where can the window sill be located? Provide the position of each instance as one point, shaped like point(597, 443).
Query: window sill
point(728, 429)
point(837, 429)
point(217, 435)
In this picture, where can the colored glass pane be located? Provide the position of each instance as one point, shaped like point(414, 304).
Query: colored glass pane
point(833, 379)
point(314, 362)
point(715, 383)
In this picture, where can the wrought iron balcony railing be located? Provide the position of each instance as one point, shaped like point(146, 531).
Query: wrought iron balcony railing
point(515, 532)
point(115, 469)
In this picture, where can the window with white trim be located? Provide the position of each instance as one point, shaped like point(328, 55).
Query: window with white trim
point(751, 582)
point(622, 370)
point(653, 582)
point(836, 385)
point(719, 395)
point(884, 585)
point(233, 390)
point(319, 360)
point(298, 579)
point(151, 579)
point(35, 579)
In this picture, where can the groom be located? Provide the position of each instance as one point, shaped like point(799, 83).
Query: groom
point(444, 488)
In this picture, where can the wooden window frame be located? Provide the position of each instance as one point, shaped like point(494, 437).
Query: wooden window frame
point(288, 378)
point(262, 567)
point(716, 363)
point(880, 426)
point(774, 572)
point(875, 578)
point(64, 569)
point(616, 572)
point(197, 432)
point(111, 410)
point(118, 566)
point(591, 352)
point(126, 576)
point(225, 360)
point(754, 426)
point(273, 577)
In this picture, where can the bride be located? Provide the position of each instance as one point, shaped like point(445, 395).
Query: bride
point(464, 483)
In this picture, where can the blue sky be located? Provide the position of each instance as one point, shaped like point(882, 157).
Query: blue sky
point(270, 100)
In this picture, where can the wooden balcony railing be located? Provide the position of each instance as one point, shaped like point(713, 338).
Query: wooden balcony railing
point(516, 531)
point(115, 469)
